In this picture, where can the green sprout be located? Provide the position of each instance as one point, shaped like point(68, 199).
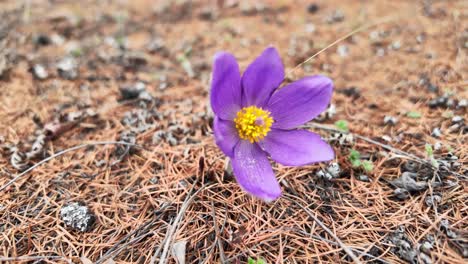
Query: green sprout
point(413, 114)
point(367, 165)
point(76, 52)
point(355, 159)
point(429, 150)
point(430, 155)
point(258, 261)
point(342, 125)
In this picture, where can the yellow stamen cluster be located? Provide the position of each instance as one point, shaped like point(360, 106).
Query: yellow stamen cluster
point(253, 123)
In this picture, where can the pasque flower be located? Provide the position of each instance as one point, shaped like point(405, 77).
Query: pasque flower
point(254, 120)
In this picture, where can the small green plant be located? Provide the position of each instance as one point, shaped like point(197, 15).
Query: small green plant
point(413, 114)
point(342, 125)
point(258, 261)
point(430, 155)
point(355, 159)
point(429, 150)
point(76, 52)
point(367, 165)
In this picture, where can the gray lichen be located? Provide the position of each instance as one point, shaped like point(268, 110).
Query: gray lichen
point(77, 216)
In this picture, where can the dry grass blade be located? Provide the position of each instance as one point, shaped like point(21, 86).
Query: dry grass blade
point(168, 239)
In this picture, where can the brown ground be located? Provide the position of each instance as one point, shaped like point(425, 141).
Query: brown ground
point(418, 53)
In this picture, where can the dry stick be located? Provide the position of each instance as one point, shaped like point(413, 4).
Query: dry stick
point(216, 243)
point(357, 30)
point(384, 146)
point(30, 258)
point(156, 252)
point(168, 240)
point(345, 248)
point(63, 152)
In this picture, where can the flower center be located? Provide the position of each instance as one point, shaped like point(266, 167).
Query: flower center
point(253, 123)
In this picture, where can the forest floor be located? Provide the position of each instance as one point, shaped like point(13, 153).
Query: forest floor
point(77, 76)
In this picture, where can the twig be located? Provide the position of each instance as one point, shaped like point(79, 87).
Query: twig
point(357, 30)
point(168, 240)
point(63, 152)
point(30, 258)
point(345, 248)
point(382, 145)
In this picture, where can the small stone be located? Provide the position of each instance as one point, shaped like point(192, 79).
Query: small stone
point(156, 45)
point(158, 136)
point(363, 178)
point(462, 103)
point(396, 45)
point(438, 102)
point(328, 114)
point(387, 138)
point(68, 68)
point(343, 50)
point(433, 199)
point(40, 72)
point(456, 165)
point(335, 17)
point(451, 156)
point(57, 39)
point(171, 139)
point(432, 88)
point(145, 96)
point(132, 91)
point(352, 91)
point(390, 120)
point(133, 60)
point(437, 145)
point(380, 52)
point(312, 8)
point(332, 171)
point(401, 193)
point(445, 225)
point(310, 28)
point(77, 216)
point(426, 259)
point(246, 8)
point(41, 40)
point(457, 119)
point(374, 36)
point(408, 181)
point(427, 245)
point(420, 38)
point(436, 132)
point(208, 13)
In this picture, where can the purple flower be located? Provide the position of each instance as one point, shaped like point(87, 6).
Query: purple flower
point(253, 120)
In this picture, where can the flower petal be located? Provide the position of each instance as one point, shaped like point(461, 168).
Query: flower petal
point(261, 78)
point(253, 171)
point(226, 135)
point(300, 101)
point(226, 91)
point(296, 147)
